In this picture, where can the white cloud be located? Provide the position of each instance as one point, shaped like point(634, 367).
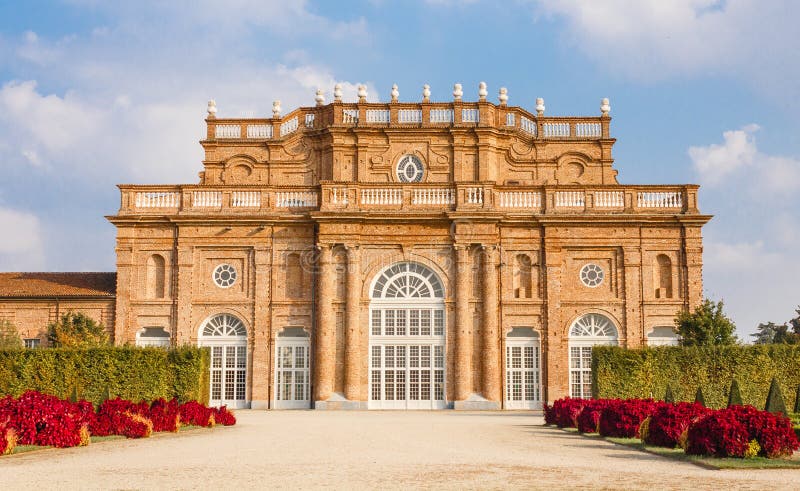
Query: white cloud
point(22, 247)
point(737, 159)
point(656, 39)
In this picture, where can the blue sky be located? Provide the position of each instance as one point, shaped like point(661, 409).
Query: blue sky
point(98, 93)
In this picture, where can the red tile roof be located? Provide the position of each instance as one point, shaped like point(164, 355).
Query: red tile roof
point(43, 285)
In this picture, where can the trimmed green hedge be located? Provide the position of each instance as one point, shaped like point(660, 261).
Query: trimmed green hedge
point(129, 372)
point(640, 373)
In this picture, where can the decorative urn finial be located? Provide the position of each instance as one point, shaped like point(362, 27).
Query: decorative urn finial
point(337, 92)
point(362, 93)
point(539, 106)
point(503, 96)
point(482, 92)
point(395, 93)
point(605, 106)
point(212, 108)
point(426, 93)
point(320, 97)
point(457, 92)
point(276, 109)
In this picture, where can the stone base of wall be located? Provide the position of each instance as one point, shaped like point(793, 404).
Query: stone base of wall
point(340, 405)
point(476, 403)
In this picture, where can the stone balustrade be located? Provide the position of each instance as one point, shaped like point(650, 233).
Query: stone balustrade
point(417, 197)
point(397, 114)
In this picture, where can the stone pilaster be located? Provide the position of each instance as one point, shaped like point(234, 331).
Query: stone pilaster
point(491, 342)
point(631, 333)
point(325, 341)
point(184, 332)
point(122, 314)
point(353, 356)
point(463, 325)
point(261, 347)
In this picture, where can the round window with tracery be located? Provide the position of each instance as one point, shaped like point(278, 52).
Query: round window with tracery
point(224, 275)
point(592, 275)
point(409, 169)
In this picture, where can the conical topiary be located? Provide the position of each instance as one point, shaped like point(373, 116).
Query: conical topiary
point(797, 400)
point(74, 397)
point(734, 396)
point(107, 395)
point(775, 402)
point(699, 398)
point(668, 397)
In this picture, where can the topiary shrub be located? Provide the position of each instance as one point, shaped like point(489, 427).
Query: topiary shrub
point(699, 398)
point(566, 411)
point(669, 421)
point(797, 401)
point(734, 396)
point(775, 402)
point(668, 397)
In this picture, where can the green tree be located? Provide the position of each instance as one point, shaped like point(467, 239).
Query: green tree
point(767, 332)
point(775, 403)
point(76, 330)
point(706, 326)
point(9, 337)
point(734, 395)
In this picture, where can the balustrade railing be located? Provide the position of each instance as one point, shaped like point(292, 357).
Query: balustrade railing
point(289, 126)
point(529, 200)
point(377, 115)
point(555, 130)
point(527, 125)
point(441, 116)
point(350, 116)
point(310, 120)
point(357, 196)
point(259, 131)
point(470, 115)
point(406, 116)
point(228, 131)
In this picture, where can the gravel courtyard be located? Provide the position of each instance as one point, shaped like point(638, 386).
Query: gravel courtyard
point(370, 450)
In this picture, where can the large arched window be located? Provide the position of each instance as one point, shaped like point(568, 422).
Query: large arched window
point(155, 280)
point(407, 327)
point(587, 331)
point(226, 335)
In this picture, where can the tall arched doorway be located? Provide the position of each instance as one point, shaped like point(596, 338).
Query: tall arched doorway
point(407, 339)
point(587, 331)
point(227, 337)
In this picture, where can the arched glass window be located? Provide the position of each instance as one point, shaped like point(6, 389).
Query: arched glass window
point(406, 348)
point(587, 331)
point(226, 335)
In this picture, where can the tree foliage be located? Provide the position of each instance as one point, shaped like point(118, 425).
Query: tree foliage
point(76, 330)
point(734, 395)
point(771, 333)
point(706, 326)
point(775, 403)
point(9, 337)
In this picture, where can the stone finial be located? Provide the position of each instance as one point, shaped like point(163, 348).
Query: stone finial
point(276, 109)
point(482, 92)
point(605, 106)
point(539, 106)
point(395, 93)
point(320, 97)
point(457, 92)
point(212, 108)
point(362, 93)
point(337, 92)
point(426, 93)
point(503, 96)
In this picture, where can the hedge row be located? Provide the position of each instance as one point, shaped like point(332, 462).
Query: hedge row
point(95, 374)
point(645, 373)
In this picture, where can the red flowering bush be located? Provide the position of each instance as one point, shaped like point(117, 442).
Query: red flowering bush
point(589, 417)
point(194, 413)
point(566, 411)
point(166, 416)
point(122, 417)
point(223, 416)
point(41, 419)
point(622, 418)
point(669, 421)
point(549, 414)
point(773, 432)
point(719, 434)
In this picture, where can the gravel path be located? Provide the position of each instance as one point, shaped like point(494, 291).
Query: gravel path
point(373, 450)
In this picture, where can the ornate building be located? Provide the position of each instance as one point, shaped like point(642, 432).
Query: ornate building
point(405, 255)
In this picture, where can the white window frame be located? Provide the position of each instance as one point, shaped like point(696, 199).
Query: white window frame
point(32, 343)
point(155, 341)
point(235, 339)
point(280, 399)
point(582, 338)
point(523, 388)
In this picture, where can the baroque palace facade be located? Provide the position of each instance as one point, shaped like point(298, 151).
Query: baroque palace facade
point(394, 255)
